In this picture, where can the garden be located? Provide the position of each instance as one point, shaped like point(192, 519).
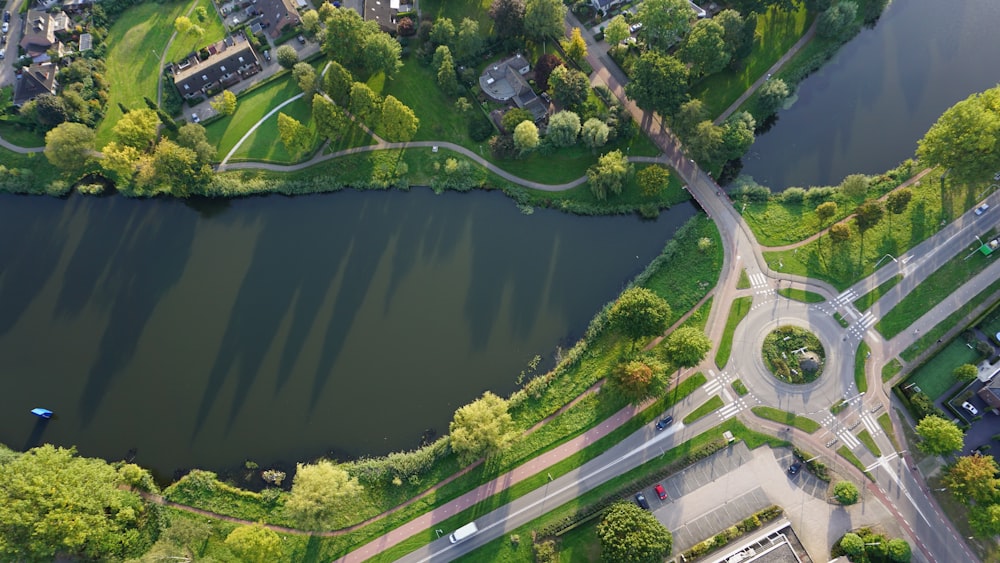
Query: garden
point(793, 354)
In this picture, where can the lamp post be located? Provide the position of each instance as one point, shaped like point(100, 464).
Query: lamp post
point(883, 258)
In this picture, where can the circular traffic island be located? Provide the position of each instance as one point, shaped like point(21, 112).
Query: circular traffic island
point(793, 354)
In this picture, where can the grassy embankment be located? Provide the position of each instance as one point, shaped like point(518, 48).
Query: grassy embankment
point(737, 311)
point(186, 44)
point(802, 423)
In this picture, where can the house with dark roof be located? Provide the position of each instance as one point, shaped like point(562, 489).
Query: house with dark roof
point(504, 81)
point(382, 12)
point(990, 393)
point(225, 66)
point(36, 79)
point(40, 32)
point(276, 15)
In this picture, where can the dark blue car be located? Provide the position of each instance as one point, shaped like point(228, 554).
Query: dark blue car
point(664, 422)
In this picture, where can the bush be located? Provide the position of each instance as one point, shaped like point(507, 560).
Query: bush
point(480, 128)
point(845, 492)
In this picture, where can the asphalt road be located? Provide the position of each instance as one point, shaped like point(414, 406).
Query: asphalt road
point(7, 76)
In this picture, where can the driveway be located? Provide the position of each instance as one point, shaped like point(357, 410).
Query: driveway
point(13, 37)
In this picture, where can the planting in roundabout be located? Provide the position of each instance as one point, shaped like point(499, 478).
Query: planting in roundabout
point(793, 354)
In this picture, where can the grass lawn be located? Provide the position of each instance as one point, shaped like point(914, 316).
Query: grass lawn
point(802, 423)
point(457, 9)
point(935, 288)
point(841, 320)
point(19, 135)
point(934, 377)
point(738, 310)
point(36, 162)
point(886, 424)
point(224, 133)
point(691, 273)
point(740, 389)
point(869, 299)
point(849, 456)
point(133, 63)
point(776, 32)
point(581, 544)
point(263, 143)
point(869, 442)
point(183, 45)
point(801, 295)
point(931, 336)
point(673, 194)
point(842, 264)
point(890, 369)
point(744, 281)
point(860, 358)
point(709, 406)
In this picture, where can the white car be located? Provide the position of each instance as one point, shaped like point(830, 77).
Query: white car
point(3, 53)
point(6, 27)
point(195, 118)
point(968, 406)
point(982, 208)
point(635, 27)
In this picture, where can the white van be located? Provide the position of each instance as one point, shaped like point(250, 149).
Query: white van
point(463, 532)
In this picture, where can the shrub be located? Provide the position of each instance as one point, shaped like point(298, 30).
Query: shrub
point(845, 492)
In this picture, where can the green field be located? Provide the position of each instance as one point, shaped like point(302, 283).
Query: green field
point(214, 31)
point(135, 43)
point(934, 377)
point(263, 143)
point(860, 357)
point(869, 299)
point(737, 311)
point(802, 423)
point(224, 133)
point(801, 295)
point(20, 136)
point(869, 442)
point(709, 406)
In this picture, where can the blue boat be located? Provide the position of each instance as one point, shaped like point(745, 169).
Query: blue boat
point(44, 413)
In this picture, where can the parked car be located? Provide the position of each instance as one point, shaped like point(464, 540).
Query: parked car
point(6, 27)
point(267, 55)
point(195, 118)
point(3, 53)
point(664, 422)
point(794, 468)
point(968, 406)
point(660, 492)
point(640, 499)
point(982, 208)
point(6, 16)
point(635, 27)
point(302, 39)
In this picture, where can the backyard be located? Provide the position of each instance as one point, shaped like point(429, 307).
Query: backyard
point(934, 377)
point(183, 45)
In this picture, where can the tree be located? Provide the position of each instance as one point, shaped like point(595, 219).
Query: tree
point(840, 232)
point(659, 82)
point(664, 22)
point(287, 57)
point(382, 54)
point(687, 346)
point(120, 162)
point(631, 534)
point(845, 492)
point(639, 379)
point(652, 180)
point(225, 103)
point(569, 87)
point(839, 21)
point(564, 127)
point(398, 123)
point(293, 134)
point(320, 491)
point(69, 146)
point(817, 6)
point(192, 136)
point(855, 186)
point(255, 544)
point(543, 69)
point(939, 436)
point(966, 138)
point(973, 478)
point(897, 201)
point(706, 143)
point(688, 117)
point(183, 25)
point(331, 121)
point(772, 95)
point(594, 133)
point(305, 76)
point(825, 211)
point(137, 128)
point(346, 33)
point(54, 504)
point(609, 174)
point(705, 48)
point(866, 216)
point(616, 31)
point(443, 32)
point(508, 18)
point(514, 117)
point(575, 47)
point(543, 19)
point(446, 78)
point(481, 428)
point(965, 372)
point(639, 313)
point(468, 40)
point(172, 169)
point(405, 27)
point(737, 135)
point(46, 110)
point(985, 520)
point(852, 544)
point(310, 22)
point(337, 83)
point(526, 136)
point(734, 33)
point(364, 101)
point(899, 550)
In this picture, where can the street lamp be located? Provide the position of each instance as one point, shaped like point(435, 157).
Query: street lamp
point(883, 258)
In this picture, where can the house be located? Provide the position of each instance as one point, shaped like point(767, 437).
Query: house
point(276, 15)
point(76, 6)
point(603, 6)
point(40, 32)
point(504, 81)
point(990, 393)
point(36, 79)
point(225, 66)
point(382, 12)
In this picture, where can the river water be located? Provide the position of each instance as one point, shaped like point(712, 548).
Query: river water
point(865, 110)
point(277, 328)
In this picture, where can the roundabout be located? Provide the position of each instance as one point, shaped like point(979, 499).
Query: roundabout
point(793, 355)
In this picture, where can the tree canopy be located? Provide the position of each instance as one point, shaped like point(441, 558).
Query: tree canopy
point(639, 313)
point(965, 372)
point(137, 128)
point(54, 503)
point(483, 427)
point(664, 22)
point(639, 379)
point(508, 17)
point(659, 83)
point(225, 102)
point(293, 134)
point(973, 478)
point(286, 56)
point(629, 534)
point(652, 180)
point(609, 174)
point(331, 121)
point(255, 544)
point(705, 48)
point(526, 136)
point(687, 346)
point(320, 492)
point(616, 30)
point(594, 133)
point(966, 138)
point(772, 94)
point(574, 46)
point(570, 87)
point(845, 492)
point(939, 436)
point(564, 127)
point(69, 145)
point(543, 19)
point(398, 122)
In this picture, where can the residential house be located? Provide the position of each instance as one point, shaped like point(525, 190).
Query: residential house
point(382, 12)
point(40, 33)
point(225, 66)
point(276, 15)
point(991, 393)
point(36, 79)
point(504, 81)
point(603, 6)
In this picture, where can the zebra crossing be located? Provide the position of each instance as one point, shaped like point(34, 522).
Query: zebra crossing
point(846, 433)
point(844, 298)
point(732, 409)
point(870, 424)
point(758, 281)
point(719, 385)
point(859, 328)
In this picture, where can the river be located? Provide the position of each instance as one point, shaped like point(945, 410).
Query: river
point(282, 329)
point(865, 110)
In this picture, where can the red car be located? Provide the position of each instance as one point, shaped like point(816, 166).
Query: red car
point(660, 492)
